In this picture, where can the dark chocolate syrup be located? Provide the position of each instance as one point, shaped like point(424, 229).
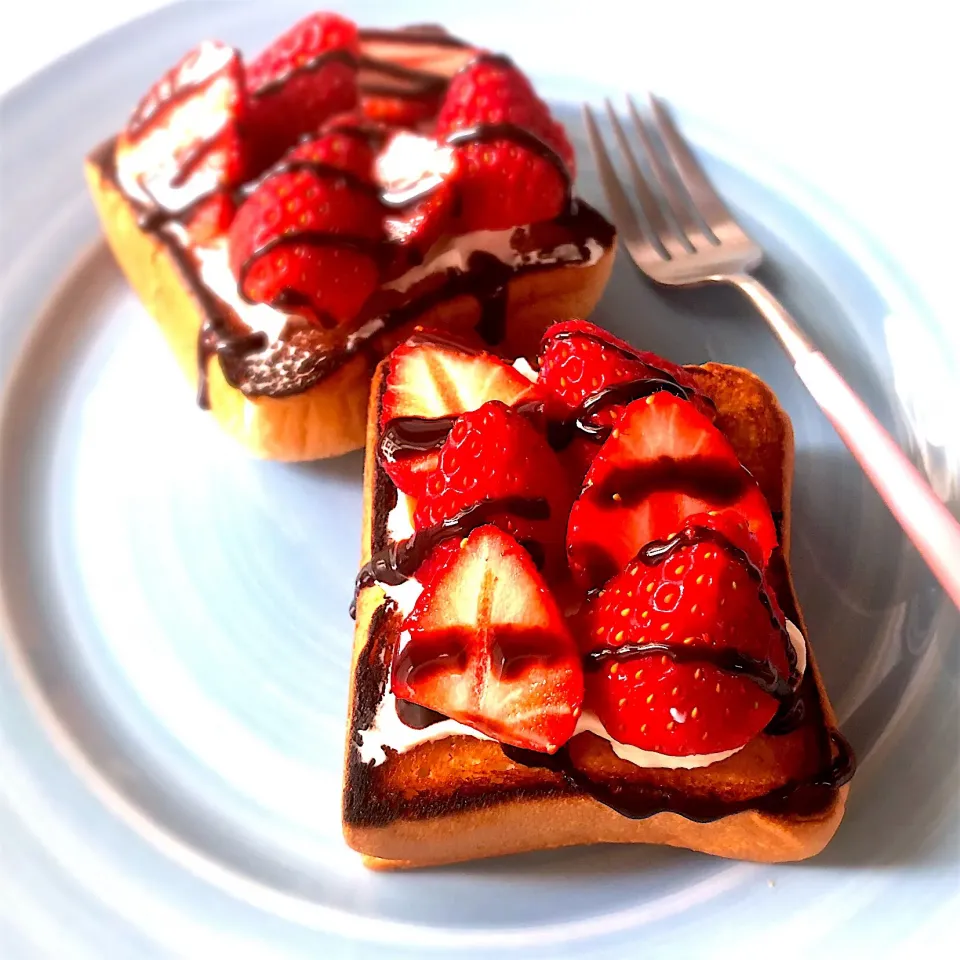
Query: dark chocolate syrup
point(399, 560)
point(422, 34)
point(581, 421)
point(706, 478)
point(639, 801)
point(152, 219)
point(598, 336)
point(703, 477)
point(309, 66)
point(408, 436)
point(379, 77)
point(416, 717)
point(761, 672)
point(405, 436)
point(410, 83)
point(514, 649)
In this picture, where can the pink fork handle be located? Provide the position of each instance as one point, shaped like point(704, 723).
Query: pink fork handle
point(924, 519)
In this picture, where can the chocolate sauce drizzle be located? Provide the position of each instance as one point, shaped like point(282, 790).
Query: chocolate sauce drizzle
point(417, 84)
point(624, 350)
point(415, 717)
point(309, 66)
point(399, 560)
point(638, 802)
point(404, 437)
point(411, 83)
point(428, 34)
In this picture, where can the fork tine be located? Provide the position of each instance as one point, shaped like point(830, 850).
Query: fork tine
point(705, 198)
point(678, 205)
point(623, 213)
point(662, 230)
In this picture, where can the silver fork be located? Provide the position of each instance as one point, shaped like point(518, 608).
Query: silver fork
point(687, 237)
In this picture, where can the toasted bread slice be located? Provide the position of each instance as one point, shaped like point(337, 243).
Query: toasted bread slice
point(462, 798)
point(328, 418)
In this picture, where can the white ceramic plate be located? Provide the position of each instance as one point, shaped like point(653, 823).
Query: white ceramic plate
point(175, 644)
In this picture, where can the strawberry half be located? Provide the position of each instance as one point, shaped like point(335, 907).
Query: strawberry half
point(306, 240)
point(492, 454)
point(580, 361)
point(663, 462)
point(702, 601)
point(488, 647)
point(427, 381)
point(503, 182)
point(302, 78)
point(417, 176)
point(182, 146)
point(339, 151)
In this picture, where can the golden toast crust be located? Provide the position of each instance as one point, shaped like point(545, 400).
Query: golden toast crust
point(329, 418)
point(462, 798)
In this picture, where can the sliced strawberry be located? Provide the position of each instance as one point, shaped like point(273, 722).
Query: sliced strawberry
point(504, 181)
point(428, 381)
point(303, 77)
point(211, 217)
point(580, 363)
point(490, 89)
point(579, 359)
point(406, 112)
point(699, 608)
point(339, 151)
point(664, 462)
point(495, 454)
point(182, 147)
point(307, 241)
point(488, 647)
point(417, 176)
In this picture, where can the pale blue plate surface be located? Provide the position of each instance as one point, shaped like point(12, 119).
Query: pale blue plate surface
point(174, 642)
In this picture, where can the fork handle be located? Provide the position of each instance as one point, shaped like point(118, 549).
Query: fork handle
point(924, 518)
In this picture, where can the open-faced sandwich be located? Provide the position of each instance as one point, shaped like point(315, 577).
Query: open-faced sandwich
point(575, 619)
point(289, 219)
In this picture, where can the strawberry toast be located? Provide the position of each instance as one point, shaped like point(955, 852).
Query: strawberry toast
point(575, 620)
point(288, 219)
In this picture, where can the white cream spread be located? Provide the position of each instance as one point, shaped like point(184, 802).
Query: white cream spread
point(389, 732)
